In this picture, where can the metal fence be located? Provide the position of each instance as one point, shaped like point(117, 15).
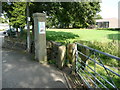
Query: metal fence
point(97, 69)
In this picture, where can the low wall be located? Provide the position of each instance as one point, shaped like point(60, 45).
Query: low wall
point(55, 51)
point(13, 43)
point(52, 50)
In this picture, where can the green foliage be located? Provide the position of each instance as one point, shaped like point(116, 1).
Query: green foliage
point(62, 37)
point(75, 13)
point(23, 35)
point(6, 8)
point(15, 11)
point(107, 47)
point(98, 16)
point(2, 20)
point(64, 14)
point(18, 16)
point(52, 62)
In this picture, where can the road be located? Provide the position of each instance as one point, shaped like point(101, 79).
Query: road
point(20, 71)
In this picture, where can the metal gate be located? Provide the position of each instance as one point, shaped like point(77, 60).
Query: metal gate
point(94, 71)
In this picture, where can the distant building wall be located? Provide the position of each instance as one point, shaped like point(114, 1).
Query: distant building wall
point(4, 26)
point(119, 14)
point(113, 22)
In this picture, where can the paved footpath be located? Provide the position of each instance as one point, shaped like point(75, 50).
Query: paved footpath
point(19, 71)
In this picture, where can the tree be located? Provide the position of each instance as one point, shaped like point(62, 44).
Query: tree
point(79, 14)
point(64, 14)
point(2, 20)
point(15, 11)
point(6, 8)
point(18, 15)
point(61, 15)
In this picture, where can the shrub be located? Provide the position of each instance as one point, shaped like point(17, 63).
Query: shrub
point(107, 47)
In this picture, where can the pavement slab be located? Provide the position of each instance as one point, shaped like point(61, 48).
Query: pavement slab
point(20, 71)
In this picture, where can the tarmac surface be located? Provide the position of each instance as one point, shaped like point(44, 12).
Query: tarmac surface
point(20, 71)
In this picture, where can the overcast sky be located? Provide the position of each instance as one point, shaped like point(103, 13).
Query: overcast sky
point(109, 8)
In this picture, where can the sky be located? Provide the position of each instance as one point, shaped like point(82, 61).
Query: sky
point(109, 8)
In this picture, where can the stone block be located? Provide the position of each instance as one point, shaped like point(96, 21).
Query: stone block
point(61, 56)
point(40, 38)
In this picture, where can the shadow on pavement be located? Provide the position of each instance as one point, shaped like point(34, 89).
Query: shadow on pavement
point(19, 71)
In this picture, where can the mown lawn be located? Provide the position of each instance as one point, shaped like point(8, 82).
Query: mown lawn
point(103, 40)
point(64, 35)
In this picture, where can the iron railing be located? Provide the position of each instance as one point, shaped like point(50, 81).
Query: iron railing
point(94, 71)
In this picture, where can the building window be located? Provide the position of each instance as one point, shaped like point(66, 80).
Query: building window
point(102, 24)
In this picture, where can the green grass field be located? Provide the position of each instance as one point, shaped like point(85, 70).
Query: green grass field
point(101, 39)
point(63, 35)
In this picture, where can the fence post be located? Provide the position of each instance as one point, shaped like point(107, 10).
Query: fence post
point(71, 56)
point(83, 58)
point(74, 59)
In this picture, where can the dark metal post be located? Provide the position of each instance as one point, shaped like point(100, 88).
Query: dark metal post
point(28, 29)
